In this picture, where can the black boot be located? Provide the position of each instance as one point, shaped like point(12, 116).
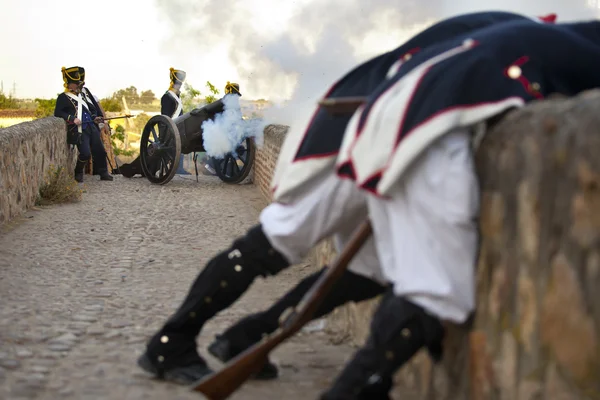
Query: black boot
point(104, 175)
point(398, 330)
point(241, 336)
point(250, 330)
point(79, 166)
point(132, 169)
point(171, 354)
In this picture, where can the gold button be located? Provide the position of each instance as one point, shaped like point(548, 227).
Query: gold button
point(405, 332)
point(223, 284)
point(234, 253)
point(468, 42)
point(207, 300)
point(514, 72)
point(164, 339)
point(407, 57)
point(192, 315)
point(535, 87)
point(161, 359)
point(238, 268)
point(389, 355)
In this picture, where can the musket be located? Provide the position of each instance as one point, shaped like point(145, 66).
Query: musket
point(119, 117)
point(342, 105)
point(223, 383)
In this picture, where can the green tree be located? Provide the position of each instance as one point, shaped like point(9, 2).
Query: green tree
point(214, 92)
point(130, 94)
point(44, 108)
point(8, 102)
point(111, 104)
point(147, 97)
point(189, 97)
point(192, 98)
point(119, 134)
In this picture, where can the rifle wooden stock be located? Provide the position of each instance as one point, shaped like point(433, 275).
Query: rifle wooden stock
point(223, 383)
point(342, 105)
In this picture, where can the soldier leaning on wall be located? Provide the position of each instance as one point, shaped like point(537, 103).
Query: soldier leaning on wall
point(81, 118)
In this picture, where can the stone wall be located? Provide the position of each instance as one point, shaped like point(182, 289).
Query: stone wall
point(536, 331)
point(26, 152)
point(266, 158)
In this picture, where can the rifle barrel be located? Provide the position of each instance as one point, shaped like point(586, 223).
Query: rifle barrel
point(119, 117)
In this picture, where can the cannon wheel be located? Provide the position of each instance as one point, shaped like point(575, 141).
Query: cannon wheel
point(229, 169)
point(160, 148)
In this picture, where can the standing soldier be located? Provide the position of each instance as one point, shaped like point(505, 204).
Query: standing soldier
point(102, 128)
point(171, 106)
point(80, 117)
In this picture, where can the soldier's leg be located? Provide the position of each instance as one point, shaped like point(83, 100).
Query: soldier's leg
point(171, 353)
point(99, 154)
point(83, 148)
point(399, 329)
point(351, 287)
point(426, 238)
point(180, 169)
point(295, 228)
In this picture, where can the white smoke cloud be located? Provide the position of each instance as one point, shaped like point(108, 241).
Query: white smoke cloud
point(321, 41)
point(228, 130)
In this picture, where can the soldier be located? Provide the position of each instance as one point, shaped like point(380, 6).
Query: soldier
point(171, 106)
point(91, 99)
point(81, 117)
point(317, 204)
point(423, 196)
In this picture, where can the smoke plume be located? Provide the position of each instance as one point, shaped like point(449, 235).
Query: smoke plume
point(223, 134)
point(321, 40)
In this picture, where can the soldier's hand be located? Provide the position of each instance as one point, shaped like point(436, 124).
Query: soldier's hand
point(77, 121)
point(98, 120)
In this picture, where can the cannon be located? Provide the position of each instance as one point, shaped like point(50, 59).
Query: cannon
point(164, 140)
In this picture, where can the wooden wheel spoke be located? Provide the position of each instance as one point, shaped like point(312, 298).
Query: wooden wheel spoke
point(236, 167)
point(154, 134)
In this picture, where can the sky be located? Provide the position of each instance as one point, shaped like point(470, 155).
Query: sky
point(275, 49)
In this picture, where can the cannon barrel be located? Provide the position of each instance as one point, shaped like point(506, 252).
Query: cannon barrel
point(189, 126)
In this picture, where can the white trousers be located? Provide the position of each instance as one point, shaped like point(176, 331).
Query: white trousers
point(425, 233)
point(331, 206)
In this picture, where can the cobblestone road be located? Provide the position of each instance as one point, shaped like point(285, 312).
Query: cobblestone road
point(83, 285)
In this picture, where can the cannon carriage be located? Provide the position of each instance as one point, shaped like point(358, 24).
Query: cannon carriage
point(164, 140)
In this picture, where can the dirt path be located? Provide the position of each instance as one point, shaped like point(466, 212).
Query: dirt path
point(83, 285)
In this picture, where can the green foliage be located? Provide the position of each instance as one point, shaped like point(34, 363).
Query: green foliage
point(111, 104)
point(119, 134)
point(45, 108)
point(8, 102)
point(192, 98)
point(147, 97)
point(189, 97)
point(131, 95)
point(140, 121)
point(214, 92)
point(58, 187)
